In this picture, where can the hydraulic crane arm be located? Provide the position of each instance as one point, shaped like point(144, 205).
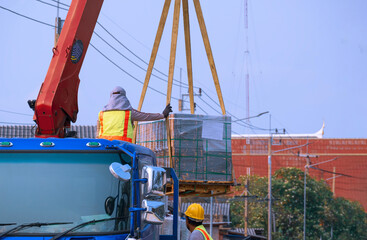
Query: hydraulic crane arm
point(57, 101)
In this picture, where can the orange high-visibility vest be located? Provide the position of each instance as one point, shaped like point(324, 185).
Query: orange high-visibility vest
point(116, 125)
point(202, 229)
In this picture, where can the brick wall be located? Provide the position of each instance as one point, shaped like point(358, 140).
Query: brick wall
point(252, 153)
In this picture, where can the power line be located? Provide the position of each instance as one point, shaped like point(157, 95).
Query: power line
point(130, 59)
point(336, 173)
point(293, 140)
point(60, 3)
point(51, 4)
point(257, 128)
point(201, 109)
point(24, 114)
point(210, 106)
point(227, 112)
point(127, 73)
point(217, 110)
point(27, 17)
point(207, 114)
point(185, 85)
point(95, 49)
point(210, 98)
point(123, 70)
point(124, 46)
point(123, 31)
point(242, 121)
point(17, 123)
point(133, 77)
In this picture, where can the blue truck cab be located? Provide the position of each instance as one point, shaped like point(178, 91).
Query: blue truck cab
point(81, 189)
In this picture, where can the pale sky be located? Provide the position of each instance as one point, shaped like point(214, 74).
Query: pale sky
point(307, 61)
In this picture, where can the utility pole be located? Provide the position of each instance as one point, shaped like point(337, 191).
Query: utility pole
point(184, 96)
point(247, 52)
point(180, 100)
point(180, 80)
point(269, 179)
point(246, 213)
point(269, 176)
point(307, 156)
point(304, 195)
point(58, 26)
point(211, 214)
point(304, 188)
point(246, 201)
point(334, 182)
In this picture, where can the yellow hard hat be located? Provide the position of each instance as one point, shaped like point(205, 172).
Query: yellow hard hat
point(195, 211)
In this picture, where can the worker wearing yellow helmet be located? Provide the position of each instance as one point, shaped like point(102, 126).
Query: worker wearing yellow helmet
point(194, 222)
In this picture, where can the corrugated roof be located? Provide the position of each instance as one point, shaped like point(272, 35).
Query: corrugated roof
point(219, 209)
point(27, 131)
point(85, 131)
point(250, 231)
point(255, 232)
point(18, 131)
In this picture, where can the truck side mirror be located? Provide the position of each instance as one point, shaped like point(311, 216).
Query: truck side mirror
point(155, 187)
point(121, 172)
point(154, 213)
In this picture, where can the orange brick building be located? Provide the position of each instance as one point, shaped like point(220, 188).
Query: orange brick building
point(250, 154)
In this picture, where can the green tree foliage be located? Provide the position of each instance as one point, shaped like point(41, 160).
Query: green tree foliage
point(326, 216)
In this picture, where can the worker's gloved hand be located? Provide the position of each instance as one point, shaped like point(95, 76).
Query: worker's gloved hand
point(167, 110)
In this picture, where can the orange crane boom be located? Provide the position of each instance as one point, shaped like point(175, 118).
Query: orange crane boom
point(57, 102)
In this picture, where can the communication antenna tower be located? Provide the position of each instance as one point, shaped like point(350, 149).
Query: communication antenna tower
point(247, 64)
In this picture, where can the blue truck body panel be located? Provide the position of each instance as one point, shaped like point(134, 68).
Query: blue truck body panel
point(67, 144)
point(87, 237)
point(92, 146)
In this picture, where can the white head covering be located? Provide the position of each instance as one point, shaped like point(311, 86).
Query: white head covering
point(118, 100)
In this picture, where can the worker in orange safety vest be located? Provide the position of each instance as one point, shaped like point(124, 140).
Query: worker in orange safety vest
point(194, 222)
point(115, 121)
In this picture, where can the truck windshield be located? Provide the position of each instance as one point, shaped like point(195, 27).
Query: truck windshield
point(61, 187)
